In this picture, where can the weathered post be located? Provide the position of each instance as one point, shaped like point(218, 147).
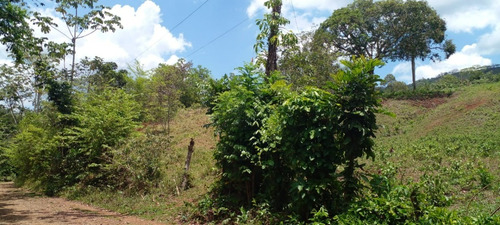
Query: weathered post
point(188, 162)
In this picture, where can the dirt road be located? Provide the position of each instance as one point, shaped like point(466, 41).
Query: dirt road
point(21, 207)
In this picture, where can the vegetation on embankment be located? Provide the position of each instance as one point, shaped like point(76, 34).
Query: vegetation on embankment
point(289, 143)
point(450, 142)
point(165, 201)
point(446, 147)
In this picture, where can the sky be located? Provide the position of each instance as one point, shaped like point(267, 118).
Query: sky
point(220, 34)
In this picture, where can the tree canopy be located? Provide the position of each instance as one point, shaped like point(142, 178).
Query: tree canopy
point(386, 30)
point(363, 28)
point(80, 25)
point(422, 31)
point(308, 64)
point(15, 32)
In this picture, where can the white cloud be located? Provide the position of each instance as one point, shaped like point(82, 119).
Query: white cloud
point(489, 43)
point(142, 37)
point(323, 5)
point(309, 5)
point(172, 60)
point(467, 57)
point(254, 7)
point(474, 17)
point(466, 16)
point(303, 15)
point(467, 21)
point(304, 21)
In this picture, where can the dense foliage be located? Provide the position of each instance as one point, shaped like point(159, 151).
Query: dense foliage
point(387, 30)
point(308, 64)
point(274, 139)
point(14, 28)
point(52, 154)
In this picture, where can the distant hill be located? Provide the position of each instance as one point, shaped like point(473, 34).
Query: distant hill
point(470, 74)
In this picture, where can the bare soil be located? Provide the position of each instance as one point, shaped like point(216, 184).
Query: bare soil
point(18, 206)
point(429, 103)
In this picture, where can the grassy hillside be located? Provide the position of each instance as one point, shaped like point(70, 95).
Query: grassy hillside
point(167, 203)
point(452, 143)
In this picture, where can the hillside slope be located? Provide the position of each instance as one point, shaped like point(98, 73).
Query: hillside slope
point(453, 142)
point(167, 203)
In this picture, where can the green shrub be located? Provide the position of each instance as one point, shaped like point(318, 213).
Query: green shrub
point(34, 151)
point(405, 205)
point(436, 190)
point(236, 118)
point(6, 168)
point(52, 154)
point(137, 165)
point(274, 139)
point(8, 128)
point(103, 120)
point(485, 177)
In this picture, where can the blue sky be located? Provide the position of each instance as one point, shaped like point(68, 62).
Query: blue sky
point(148, 33)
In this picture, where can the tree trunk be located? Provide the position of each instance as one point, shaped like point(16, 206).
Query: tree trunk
point(272, 48)
point(413, 73)
point(349, 179)
point(38, 98)
point(13, 115)
point(73, 41)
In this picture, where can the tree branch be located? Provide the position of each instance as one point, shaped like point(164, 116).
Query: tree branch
point(55, 28)
point(87, 34)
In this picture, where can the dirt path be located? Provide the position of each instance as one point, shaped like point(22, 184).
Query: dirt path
point(20, 207)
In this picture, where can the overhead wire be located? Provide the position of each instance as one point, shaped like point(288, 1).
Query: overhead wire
point(173, 28)
point(294, 16)
point(182, 21)
point(218, 37)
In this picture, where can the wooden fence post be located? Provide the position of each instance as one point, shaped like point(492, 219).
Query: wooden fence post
point(184, 185)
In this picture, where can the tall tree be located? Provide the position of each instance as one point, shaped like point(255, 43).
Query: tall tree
point(98, 75)
point(386, 30)
point(272, 36)
point(424, 31)
point(14, 90)
point(79, 25)
point(165, 94)
point(363, 28)
point(272, 47)
point(16, 33)
point(195, 85)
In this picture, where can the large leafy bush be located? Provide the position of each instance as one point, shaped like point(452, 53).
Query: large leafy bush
point(103, 120)
point(53, 155)
point(295, 150)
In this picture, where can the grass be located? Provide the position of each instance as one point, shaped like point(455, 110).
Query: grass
point(455, 139)
point(451, 142)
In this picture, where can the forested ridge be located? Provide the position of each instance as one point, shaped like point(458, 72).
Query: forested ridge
point(305, 134)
